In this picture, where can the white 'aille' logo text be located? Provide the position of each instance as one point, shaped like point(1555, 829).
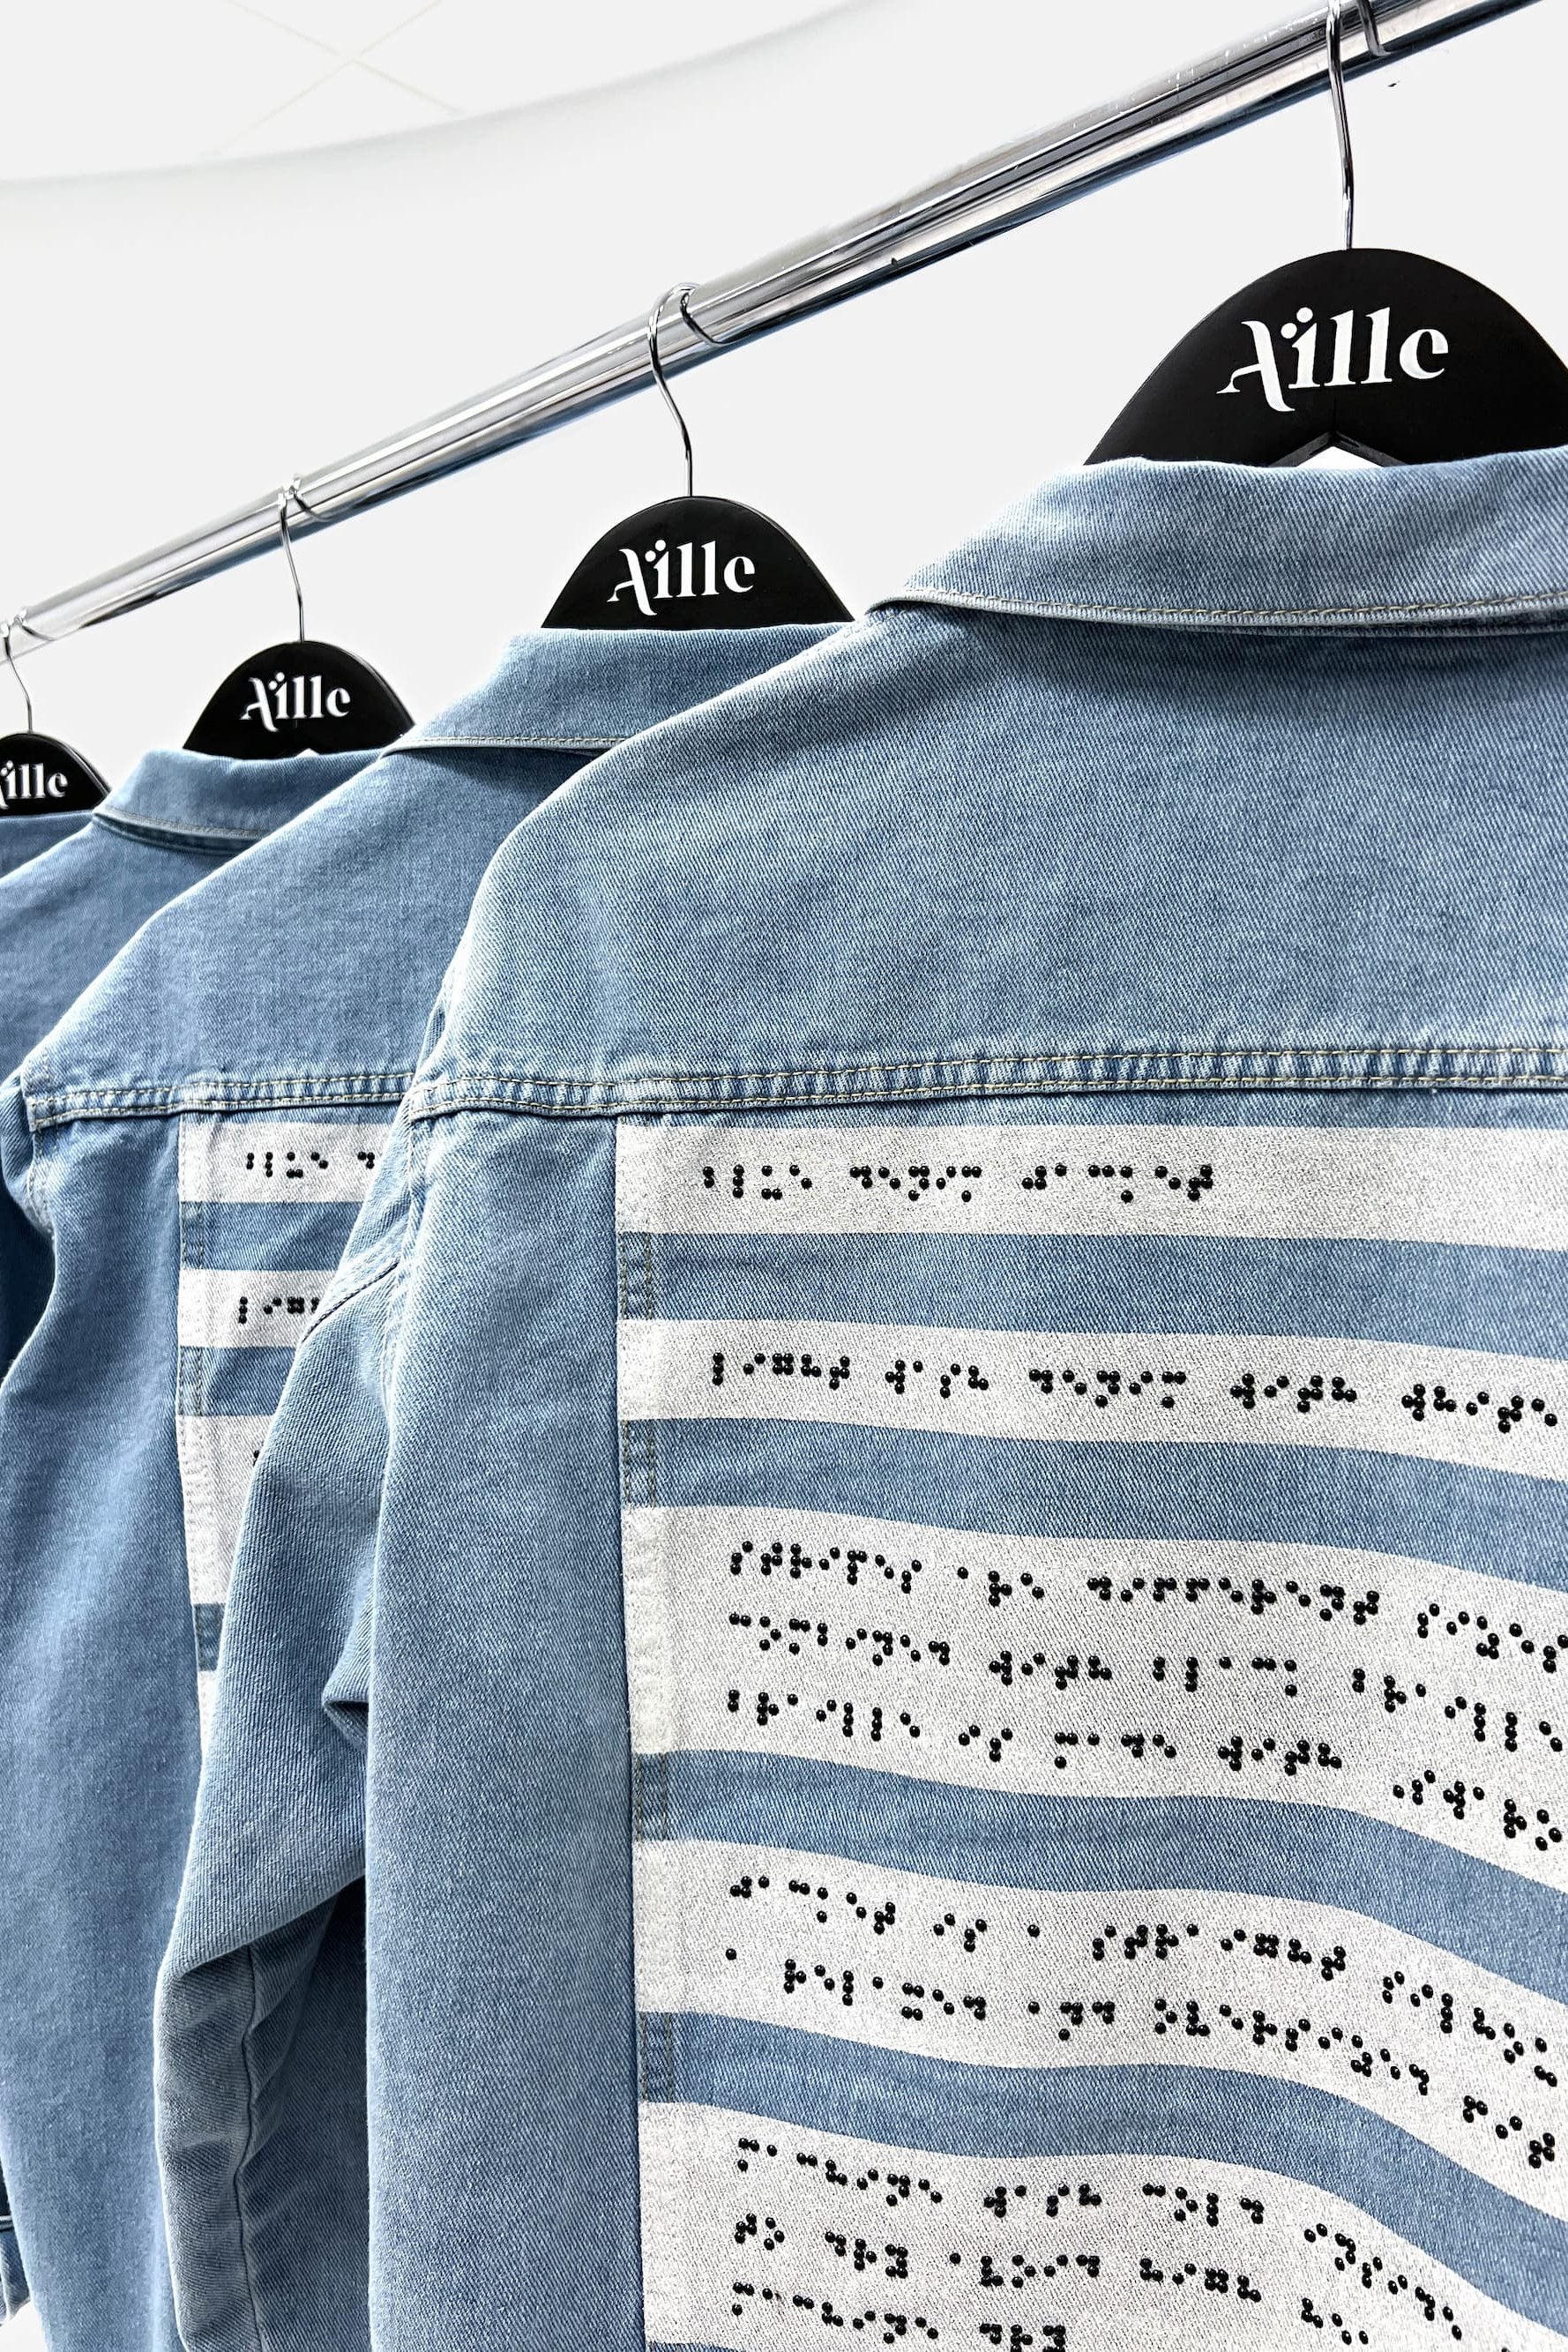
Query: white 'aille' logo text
point(273, 703)
point(1300, 334)
point(30, 781)
point(736, 575)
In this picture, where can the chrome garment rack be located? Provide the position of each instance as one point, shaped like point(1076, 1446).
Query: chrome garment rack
point(1018, 182)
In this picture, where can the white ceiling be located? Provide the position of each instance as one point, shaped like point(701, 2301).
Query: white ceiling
point(98, 86)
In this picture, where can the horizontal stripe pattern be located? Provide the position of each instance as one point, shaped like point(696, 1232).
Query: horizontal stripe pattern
point(1402, 1184)
point(1185, 1779)
point(219, 1453)
point(1508, 1526)
point(1404, 1690)
point(1178, 1388)
point(1501, 1301)
point(802, 2236)
point(1242, 1846)
point(253, 1308)
point(265, 1209)
point(949, 1968)
point(899, 2101)
point(277, 1161)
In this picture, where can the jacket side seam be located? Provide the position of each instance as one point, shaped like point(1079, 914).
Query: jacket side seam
point(251, 2121)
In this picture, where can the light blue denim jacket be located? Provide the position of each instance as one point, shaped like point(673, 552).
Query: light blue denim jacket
point(176, 816)
point(183, 1158)
point(920, 1551)
point(23, 838)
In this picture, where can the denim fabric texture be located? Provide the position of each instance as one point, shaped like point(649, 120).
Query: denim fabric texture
point(26, 837)
point(920, 1550)
point(183, 1156)
point(176, 816)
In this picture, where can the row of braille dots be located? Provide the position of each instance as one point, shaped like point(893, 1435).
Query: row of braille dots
point(1511, 1411)
point(1160, 1941)
point(1308, 1393)
point(1476, 1714)
point(1489, 1645)
point(1533, 1821)
point(885, 1646)
point(919, 1179)
point(1106, 1384)
point(771, 1187)
point(1256, 1594)
point(794, 1560)
point(848, 1716)
point(279, 1304)
point(854, 1562)
point(293, 1168)
point(1108, 1172)
point(1178, 2207)
point(785, 1363)
point(853, 1718)
point(953, 1376)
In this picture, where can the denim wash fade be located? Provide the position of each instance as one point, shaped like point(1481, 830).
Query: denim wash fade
point(183, 1159)
point(919, 1553)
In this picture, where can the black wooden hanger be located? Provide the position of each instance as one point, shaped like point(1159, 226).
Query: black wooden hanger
point(1394, 356)
point(39, 775)
point(692, 562)
point(301, 696)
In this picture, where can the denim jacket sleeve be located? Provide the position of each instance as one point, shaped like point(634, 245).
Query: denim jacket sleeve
point(260, 2014)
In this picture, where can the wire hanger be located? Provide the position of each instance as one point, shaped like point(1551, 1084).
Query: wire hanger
point(1387, 354)
point(302, 695)
point(692, 563)
point(39, 775)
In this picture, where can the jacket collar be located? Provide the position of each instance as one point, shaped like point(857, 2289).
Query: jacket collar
point(192, 799)
point(1241, 547)
point(588, 690)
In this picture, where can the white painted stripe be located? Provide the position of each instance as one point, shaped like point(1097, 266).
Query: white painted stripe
point(207, 1702)
point(762, 2237)
point(1449, 1404)
point(239, 1159)
point(1458, 2057)
point(224, 1308)
point(1418, 1184)
point(1295, 1672)
point(217, 1456)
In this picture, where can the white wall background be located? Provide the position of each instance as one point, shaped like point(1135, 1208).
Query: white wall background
point(179, 340)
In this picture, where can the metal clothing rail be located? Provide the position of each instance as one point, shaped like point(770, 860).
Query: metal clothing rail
point(1014, 183)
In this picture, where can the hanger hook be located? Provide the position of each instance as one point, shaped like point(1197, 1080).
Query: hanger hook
point(1334, 32)
point(6, 629)
point(1334, 40)
point(655, 320)
point(288, 497)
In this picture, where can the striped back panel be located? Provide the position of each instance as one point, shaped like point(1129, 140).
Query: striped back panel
point(266, 1210)
point(1097, 1626)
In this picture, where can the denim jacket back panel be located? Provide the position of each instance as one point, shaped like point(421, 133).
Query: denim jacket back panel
point(988, 1241)
point(174, 818)
point(183, 1156)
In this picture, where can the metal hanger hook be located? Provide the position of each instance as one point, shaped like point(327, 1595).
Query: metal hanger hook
point(655, 320)
point(1334, 40)
point(1334, 34)
point(6, 629)
point(287, 496)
